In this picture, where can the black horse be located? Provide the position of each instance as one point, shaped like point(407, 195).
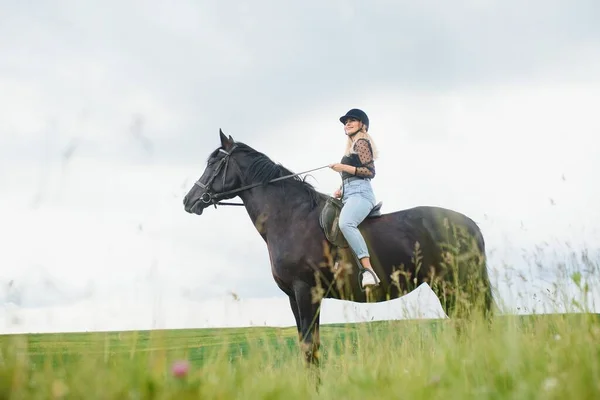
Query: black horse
point(310, 259)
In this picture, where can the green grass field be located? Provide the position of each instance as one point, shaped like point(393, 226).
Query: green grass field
point(521, 357)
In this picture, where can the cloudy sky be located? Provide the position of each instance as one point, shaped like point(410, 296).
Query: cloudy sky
point(109, 111)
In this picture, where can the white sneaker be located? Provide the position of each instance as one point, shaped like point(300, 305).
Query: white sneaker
point(369, 280)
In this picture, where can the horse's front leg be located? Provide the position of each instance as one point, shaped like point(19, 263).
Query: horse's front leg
point(296, 311)
point(309, 314)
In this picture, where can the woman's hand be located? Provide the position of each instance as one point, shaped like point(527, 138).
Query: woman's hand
point(337, 194)
point(337, 167)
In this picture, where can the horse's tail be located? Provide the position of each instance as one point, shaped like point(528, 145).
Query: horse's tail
point(464, 260)
point(472, 275)
point(488, 299)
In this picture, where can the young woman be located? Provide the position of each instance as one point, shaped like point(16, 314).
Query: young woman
point(357, 168)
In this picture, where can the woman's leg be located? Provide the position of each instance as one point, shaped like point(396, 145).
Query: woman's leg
point(355, 209)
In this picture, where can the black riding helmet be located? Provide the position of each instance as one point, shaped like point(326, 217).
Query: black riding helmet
point(358, 114)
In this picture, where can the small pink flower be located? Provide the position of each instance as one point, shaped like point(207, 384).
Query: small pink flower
point(180, 368)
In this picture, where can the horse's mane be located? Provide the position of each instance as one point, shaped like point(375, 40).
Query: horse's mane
point(263, 169)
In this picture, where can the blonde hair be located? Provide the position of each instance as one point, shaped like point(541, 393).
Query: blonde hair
point(362, 134)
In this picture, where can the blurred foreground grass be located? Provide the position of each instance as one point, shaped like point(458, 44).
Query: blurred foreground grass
point(552, 356)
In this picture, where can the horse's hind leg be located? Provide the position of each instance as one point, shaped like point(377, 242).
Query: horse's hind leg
point(447, 300)
point(462, 301)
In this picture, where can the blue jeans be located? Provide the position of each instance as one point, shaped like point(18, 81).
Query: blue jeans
point(358, 199)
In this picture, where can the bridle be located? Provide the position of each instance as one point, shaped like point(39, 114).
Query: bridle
point(211, 197)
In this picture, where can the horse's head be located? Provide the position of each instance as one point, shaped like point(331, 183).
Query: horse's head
point(220, 177)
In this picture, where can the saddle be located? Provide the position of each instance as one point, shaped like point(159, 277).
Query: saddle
point(330, 215)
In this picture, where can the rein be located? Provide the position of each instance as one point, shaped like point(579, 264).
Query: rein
point(209, 197)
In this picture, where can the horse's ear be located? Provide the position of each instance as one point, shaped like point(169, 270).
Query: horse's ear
point(225, 141)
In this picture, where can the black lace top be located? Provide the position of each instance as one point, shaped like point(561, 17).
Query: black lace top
point(362, 158)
